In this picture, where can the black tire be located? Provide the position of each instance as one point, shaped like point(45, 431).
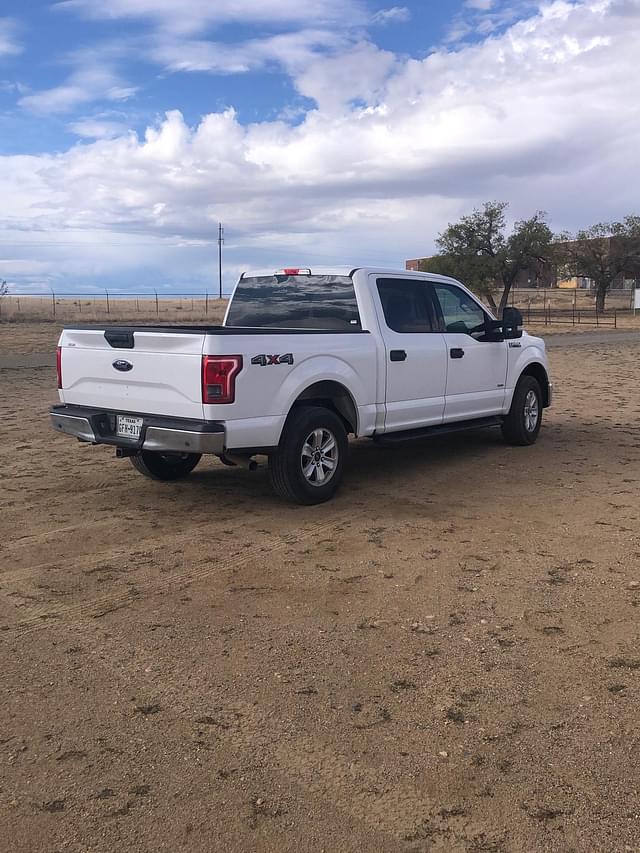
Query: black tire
point(165, 466)
point(287, 465)
point(519, 427)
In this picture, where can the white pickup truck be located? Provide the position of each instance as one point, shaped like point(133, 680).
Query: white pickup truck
point(302, 360)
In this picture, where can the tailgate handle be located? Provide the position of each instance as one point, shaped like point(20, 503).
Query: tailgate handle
point(120, 338)
point(398, 355)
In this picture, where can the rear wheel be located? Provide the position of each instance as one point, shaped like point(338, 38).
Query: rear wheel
point(165, 466)
point(308, 466)
point(522, 424)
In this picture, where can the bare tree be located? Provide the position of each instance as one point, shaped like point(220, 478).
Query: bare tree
point(478, 251)
point(602, 253)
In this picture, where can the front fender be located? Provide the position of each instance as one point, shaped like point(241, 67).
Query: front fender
point(531, 354)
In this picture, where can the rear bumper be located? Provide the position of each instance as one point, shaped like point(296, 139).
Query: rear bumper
point(164, 435)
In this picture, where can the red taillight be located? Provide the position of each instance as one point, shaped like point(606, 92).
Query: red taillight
point(291, 270)
point(219, 378)
point(59, 366)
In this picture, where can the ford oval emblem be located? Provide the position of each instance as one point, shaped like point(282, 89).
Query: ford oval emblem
point(122, 364)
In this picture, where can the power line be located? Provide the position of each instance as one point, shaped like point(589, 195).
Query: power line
point(220, 242)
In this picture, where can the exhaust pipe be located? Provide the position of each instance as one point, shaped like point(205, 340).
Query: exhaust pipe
point(241, 461)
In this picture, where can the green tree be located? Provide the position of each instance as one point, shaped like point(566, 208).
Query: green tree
point(602, 253)
point(478, 251)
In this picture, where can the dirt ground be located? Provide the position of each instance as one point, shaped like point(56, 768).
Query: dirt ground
point(444, 658)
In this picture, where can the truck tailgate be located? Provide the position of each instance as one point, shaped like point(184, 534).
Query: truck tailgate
point(164, 376)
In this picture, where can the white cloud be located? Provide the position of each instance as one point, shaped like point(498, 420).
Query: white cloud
point(9, 42)
point(482, 5)
point(293, 50)
point(98, 127)
point(358, 74)
point(543, 115)
point(484, 17)
point(393, 15)
point(91, 83)
point(189, 16)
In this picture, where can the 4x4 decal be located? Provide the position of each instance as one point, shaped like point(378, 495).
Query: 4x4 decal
point(265, 360)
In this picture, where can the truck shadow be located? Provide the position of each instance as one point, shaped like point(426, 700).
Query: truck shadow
point(460, 457)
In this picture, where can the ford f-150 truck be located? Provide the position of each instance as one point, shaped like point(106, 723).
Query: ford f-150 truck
point(303, 359)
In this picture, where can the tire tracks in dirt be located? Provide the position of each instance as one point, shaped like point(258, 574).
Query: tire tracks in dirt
point(98, 606)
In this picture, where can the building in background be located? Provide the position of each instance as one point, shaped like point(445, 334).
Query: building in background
point(548, 274)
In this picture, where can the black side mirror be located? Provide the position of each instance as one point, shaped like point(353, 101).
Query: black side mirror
point(511, 323)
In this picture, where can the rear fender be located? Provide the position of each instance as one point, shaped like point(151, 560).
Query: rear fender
point(323, 369)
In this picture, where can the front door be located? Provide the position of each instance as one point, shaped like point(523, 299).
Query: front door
point(477, 368)
point(416, 355)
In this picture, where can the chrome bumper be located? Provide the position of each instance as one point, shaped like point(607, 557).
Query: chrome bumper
point(72, 425)
point(162, 439)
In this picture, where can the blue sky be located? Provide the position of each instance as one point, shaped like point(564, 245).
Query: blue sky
point(328, 131)
point(53, 36)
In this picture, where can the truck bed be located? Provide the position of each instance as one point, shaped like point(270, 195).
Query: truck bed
point(211, 330)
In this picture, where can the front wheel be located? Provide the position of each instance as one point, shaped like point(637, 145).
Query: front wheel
point(522, 425)
point(307, 467)
point(165, 466)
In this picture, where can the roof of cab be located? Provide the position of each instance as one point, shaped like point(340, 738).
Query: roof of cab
point(349, 270)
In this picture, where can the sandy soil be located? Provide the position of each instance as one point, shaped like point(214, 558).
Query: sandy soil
point(444, 658)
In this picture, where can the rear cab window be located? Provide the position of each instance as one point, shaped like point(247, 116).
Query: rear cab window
point(320, 302)
point(407, 305)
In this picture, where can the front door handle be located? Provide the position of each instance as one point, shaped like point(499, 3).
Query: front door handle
point(398, 355)
point(456, 352)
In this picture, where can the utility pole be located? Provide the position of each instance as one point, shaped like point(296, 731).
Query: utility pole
point(220, 242)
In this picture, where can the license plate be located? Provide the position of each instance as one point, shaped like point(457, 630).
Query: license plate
point(129, 427)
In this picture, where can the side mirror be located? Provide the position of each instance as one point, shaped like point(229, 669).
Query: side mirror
point(511, 323)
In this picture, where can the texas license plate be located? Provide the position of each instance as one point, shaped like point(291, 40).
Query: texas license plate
point(129, 427)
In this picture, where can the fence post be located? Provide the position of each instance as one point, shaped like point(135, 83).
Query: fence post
point(157, 306)
point(206, 302)
point(53, 304)
point(108, 310)
point(137, 305)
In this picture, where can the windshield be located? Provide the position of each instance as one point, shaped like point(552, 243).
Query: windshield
point(295, 302)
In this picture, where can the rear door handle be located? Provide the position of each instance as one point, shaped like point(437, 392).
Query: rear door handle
point(398, 355)
point(456, 352)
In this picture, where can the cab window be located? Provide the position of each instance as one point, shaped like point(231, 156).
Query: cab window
point(460, 313)
point(407, 305)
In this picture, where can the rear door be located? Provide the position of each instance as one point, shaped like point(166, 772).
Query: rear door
point(125, 370)
point(416, 358)
point(477, 367)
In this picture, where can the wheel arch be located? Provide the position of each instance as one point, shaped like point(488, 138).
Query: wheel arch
point(539, 373)
point(333, 395)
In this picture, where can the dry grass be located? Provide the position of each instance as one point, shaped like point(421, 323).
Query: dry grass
point(184, 309)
